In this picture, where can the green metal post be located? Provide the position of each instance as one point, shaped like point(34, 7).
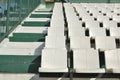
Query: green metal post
point(20, 10)
point(28, 7)
point(8, 15)
point(33, 4)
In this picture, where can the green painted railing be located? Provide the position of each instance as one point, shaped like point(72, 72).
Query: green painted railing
point(14, 12)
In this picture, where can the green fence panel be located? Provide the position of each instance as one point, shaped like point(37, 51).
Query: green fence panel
point(14, 12)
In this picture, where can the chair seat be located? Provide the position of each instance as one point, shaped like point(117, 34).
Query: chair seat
point(53, 70)
point(89, 70)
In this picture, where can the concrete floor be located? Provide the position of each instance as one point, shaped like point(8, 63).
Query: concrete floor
point(21, 76)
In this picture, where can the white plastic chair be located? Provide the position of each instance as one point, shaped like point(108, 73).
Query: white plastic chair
point(55, 31)
point(102, 18)
point(115, 32)
point(54, 60)
point(73, 31)
point(110, 24)
point(112, 60)
point(86, 61)
point(87, 18)
point(94, 32)
point(92, 24)
point(80, 42)
point(55, 42)
point(76, 24)
point(116, 18)
point(105, 43)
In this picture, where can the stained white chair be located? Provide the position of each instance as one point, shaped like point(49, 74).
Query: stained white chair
point(110, 6)
point(110, 14)
point(117, 5)
point(73, 31)
point(54, 60)
point(83, 14)
point(105, 10)
point(116, 10)
point(109, 24)
point(55, 42)
point(116, 18)
point(94, 32)
point(80, 42)
point(76, 24)
point(57, 11)
point(56, 31)
point(87, 18)
point(105, 43)
point(112, 61)
point(115, 32)
point(56, 23)
point(72, 19)
point(92, 24)
point(86, 61)
point(102, 18)
point(95, 12)
point(80, 9)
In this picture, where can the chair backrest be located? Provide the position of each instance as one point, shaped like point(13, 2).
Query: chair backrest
point(116, 18)
point(88, 18)
point(102, 18)
point(86, 59)
point(109, 24)
point(92, 24)
point(56, 31)
point(80, 42)
point(94, 32)
point(75, 24)
point(76, 31)
point(55, 42)
point(115, 32)
point(54, 58)
point(112, 59)
point(105, 43)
